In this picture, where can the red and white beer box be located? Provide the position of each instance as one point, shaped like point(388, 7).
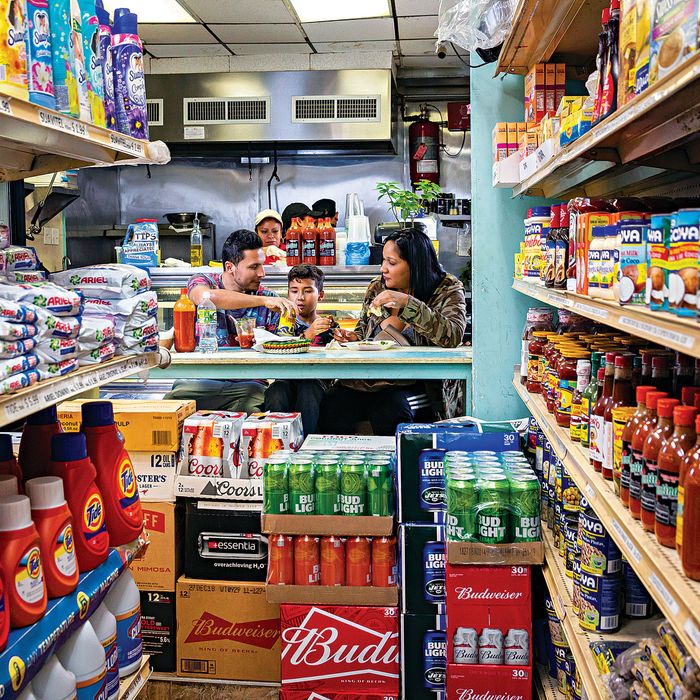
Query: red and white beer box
point(340, 649)
point(466, 682)
point(267, 433)
point(313, 695)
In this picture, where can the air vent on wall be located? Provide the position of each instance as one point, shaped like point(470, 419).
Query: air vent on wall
point(226, 110)
point(336, 108)
point(155, 112)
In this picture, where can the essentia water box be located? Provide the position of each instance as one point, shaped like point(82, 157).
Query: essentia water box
point(340, 649)
point(266, 433)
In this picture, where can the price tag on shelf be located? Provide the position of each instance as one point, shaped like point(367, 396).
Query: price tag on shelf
point(557, 299)
point(691, 629)
point(663, 334)
point(590, 492)
point(626, 541)
point(5, 106)
point(665, 594)
point(61, 123)
point(588, 310)
point(562, 607)
point(127, 145)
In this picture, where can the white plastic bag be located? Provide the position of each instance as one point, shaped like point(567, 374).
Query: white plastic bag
point(475, 24)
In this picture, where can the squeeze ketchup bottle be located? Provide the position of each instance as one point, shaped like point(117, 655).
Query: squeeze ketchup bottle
point(4, 611)
point(20, 559)
point(70, 461)
point(35, 445)
point(54, 522)
point(115, 473)
point(8, 463)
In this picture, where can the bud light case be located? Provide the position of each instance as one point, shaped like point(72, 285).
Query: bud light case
point(422, 573)
point(423, 656)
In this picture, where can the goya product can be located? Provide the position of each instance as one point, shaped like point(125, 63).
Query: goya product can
point(380, 487)
point(275, 486)
point(353, 487)
point(600, 602)
point(434, 660)
point(525, 508)
point(431, 473)
point(327, 486)
point(638, 602)
point(301, 485)
point(492, 519)
point(434, 572)
point(571, 547)
point(599, 554)
point(462, 504)
point(576, 591)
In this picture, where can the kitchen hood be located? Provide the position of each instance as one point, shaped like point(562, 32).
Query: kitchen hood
point(340, 112)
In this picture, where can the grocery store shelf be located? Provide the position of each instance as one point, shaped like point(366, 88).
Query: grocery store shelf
point(36, 141)
point(659, 327)
point(22, 404)
point(677, 597)
point(661, 118)
point(545, 685)
point(131, 686)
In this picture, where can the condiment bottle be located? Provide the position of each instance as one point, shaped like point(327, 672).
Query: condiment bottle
point(690, 457)
point(8, 462)
point(54, 523)
point(326, 244)
point(589, 397)
point(309, 242)
point(627, 455)
point(568, 381)
point(561, 255)
point(650, 456)
point(622, 395)
point(184, 320)
point(597, 422)
point(583, 379)
point(35, 445)
point(668, 476)
point(688, 394)
point(20, 559)
point(601, 61)
point(688, 536)
point(550, 247)
point(535, 361)
point(293, 243)
point(683, 373)
point(661, 376)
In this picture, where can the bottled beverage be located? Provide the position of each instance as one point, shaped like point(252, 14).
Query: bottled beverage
point(669, 463)
point(207, 325)
point(309, 242)
point(84, 657)
point(597, 453)
point(332, 553)
point(327, 251)
point(661, 374)
point(35, 445)
point(105, 626)
point(116, 478)
point(307, 561)
point(650, 456)
point(583, 378)
point(561, 254)
point(184, 320)
point(690, 549)
point(281, 568)
point(632, 424)
point(124, 602)
point(688, 460)
point(54, 524)
point(589, 398)
point(358, 565)
point(622, 395)
point(196, 257)
point(53, 682)
point(293, 243)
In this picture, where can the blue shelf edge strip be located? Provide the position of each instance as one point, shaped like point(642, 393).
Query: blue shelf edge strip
point(29, 647)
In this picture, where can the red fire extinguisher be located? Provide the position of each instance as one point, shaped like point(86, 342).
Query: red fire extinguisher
point(424, 147)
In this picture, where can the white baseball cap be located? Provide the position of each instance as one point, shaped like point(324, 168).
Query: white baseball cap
point(268, 214)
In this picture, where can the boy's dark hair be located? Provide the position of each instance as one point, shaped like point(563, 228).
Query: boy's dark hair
point(326, 207)
point(307, 272)
point(237, 243)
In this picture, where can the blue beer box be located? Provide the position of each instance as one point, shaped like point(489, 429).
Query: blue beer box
point(422, 568)
point(420, 475)
point(423, 656)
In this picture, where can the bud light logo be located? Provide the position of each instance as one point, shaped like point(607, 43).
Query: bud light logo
point(34, 563)
point(93, 516)
point(432, 480)
point(434, 660)
point(127, 479)
point(434, 572)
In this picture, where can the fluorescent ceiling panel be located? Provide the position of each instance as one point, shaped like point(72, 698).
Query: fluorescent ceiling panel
point(153, 11)
point(324, 11)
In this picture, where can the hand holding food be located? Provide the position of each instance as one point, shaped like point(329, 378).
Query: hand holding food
point(390, 299)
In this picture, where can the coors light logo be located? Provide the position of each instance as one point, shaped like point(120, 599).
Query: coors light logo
point(258, 633)
point(471, 694)
point(470, 593)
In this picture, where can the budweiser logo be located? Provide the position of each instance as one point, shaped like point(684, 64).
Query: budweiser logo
point(469, 593)
point(471, 694)
point(259, 633)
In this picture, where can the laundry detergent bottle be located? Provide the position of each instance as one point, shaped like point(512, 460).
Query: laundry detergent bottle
point(20, 559)
point(105, 626)
point(4, 611)
point(84, 657)
point(124, 602)
point(71, 463)
point(54, 682)
point(115, 473)
point(54, 523)
point(8, 485)
point(27, 693)
point(8, 463)
point(35, 445)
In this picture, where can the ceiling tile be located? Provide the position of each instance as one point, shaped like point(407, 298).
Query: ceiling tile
point(259, 49)
point(350, 46)
point(417, 27)
point(258, 33)
point(186, 50)
point(411, 8)
point(241, 11)
point(418, 47)
point(174, 34)
point(351, 30)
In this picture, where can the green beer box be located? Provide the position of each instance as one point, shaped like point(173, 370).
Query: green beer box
point(420, 481)
point(422, 568)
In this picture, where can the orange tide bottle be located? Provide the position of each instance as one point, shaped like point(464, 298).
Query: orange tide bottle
point(54, 523)
point(384, 572)
point(116, 478)
point(332, 561)
point(4, 611)
point(35, 445)
point(358, 562)
point(70, 461)
point(8, 485)
point(280, 571)
point(20, 559)
point(306, 561)
point(8, 462)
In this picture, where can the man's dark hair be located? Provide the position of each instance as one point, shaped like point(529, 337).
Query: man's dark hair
point(293, 211)
point(237, 243)
point(307, 272)
point(327, 207)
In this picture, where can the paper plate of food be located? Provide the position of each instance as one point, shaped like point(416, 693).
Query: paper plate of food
point(371, 345)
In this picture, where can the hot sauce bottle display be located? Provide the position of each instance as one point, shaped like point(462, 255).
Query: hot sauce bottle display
point(669, 464)
point(661, 374)
point(632, 424)
point(598, 414)
point(293, 243)
point(683, 373)
point(593, 449)
point(568, 380)
point(309, 242)
point(690, 457)
point(650, 456)
point(326, 243)
point(622, 395)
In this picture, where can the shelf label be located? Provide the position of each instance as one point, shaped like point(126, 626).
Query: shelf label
point(5, 106)
point(665, 334)
point(691, 629)
point(562, 607)
point(589, 310)
point(127, 145)
point(61, 123)
point(664, 593)
point(590, 492)
point(630, 546)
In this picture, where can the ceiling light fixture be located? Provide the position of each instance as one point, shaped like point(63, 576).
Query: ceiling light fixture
point(153, 11)
point(324, 11)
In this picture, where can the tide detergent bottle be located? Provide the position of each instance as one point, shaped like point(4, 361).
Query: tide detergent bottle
point(8, 485)
point(54, 523)
point(115, 473)
point(54, 682)
point(105, 626)
point(35, 445)
point(8, 463)
point(20, 559)
point(70, 462)
point(4, 611)
point(124, 602)
point(84, 657)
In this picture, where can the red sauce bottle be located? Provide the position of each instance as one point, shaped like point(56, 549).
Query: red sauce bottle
point(622, 395)
point(690, 534)
point(667, 479)
point(632, 424)
point(293, 243)
point(661, 373)
point(597, 425)
point(650, 459)
point(35, 445)
point(690, 457)
point(326, 244)
point(8, 463)
point(309, 242)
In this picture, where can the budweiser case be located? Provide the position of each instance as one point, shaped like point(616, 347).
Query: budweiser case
point(488, 682)
point(158, 629)
point(340, 649)
point(422, 568)
point(423, 656)
point(265, 434)
point(227, 631)
point(223, 544)
point(313, 695)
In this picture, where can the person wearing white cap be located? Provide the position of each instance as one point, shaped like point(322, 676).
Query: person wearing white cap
point(268, 226)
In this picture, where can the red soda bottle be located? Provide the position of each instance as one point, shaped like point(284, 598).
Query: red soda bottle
point(332, 561)
point(358, 562)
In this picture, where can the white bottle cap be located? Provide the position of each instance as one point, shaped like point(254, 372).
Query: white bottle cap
point(8, 485)
point(54, 682)
point(15, 513)
point(45, 492)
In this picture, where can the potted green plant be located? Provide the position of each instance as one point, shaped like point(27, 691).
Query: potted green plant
point(405, 205)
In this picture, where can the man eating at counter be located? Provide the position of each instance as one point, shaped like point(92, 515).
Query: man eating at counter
point(236, 292)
